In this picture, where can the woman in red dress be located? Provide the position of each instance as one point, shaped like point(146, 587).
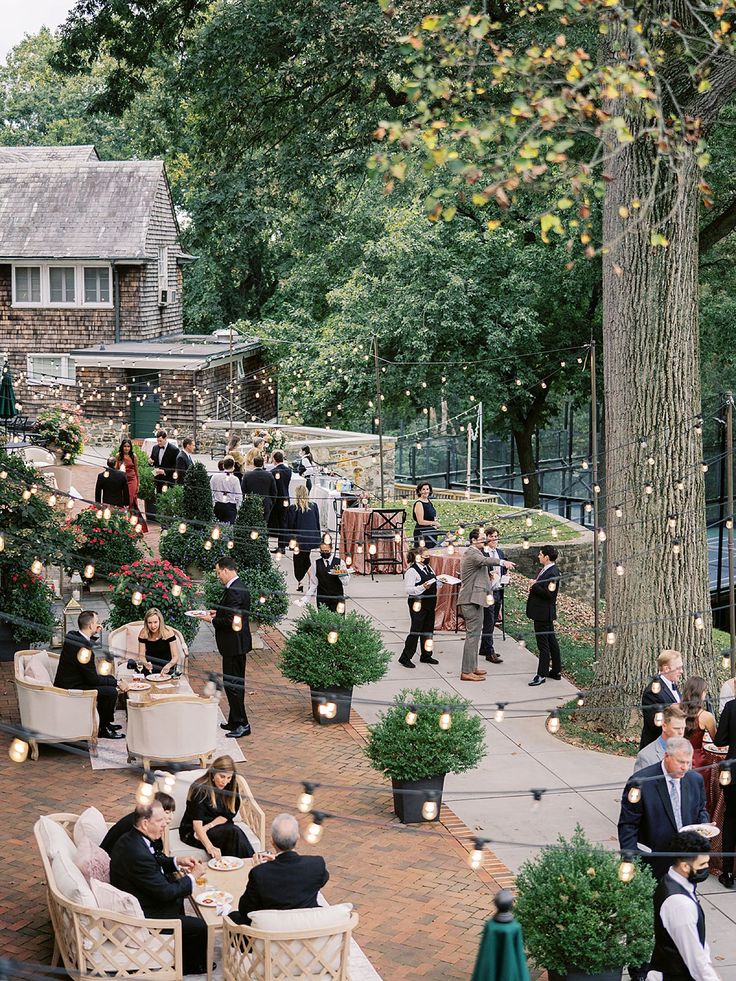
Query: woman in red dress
point(128, 463)
point(698, 722)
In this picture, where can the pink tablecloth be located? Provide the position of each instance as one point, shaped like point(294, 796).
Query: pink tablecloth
point(447, 563)
point(354, 543)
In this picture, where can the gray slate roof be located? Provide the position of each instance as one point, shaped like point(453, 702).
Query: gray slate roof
point(19, 154)
point(73, 208)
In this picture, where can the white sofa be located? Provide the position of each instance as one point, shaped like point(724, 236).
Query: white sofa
point(123, 645)
point(175, 728)
point(251, 818)
point(280, 944)
point(54, 715)
point(95, 942)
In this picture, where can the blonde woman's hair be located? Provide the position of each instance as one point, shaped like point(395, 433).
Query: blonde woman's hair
point(164, 632)
point(206, 783)
point(302, 498)
point(251, 455)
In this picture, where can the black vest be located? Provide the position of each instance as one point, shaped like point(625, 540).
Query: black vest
point(327, 584)
point(425, 573)
point(666, 957)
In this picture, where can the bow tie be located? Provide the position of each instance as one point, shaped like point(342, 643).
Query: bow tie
point(674, 687)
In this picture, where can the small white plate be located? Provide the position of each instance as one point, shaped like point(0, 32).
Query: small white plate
point(138, 686)
point(213, 898)
point(228, 863)
point(706, 830)
point(447, 580)
point(195, 613)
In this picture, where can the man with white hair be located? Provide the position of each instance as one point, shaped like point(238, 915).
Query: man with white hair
point(286, 880)
point(658, 801)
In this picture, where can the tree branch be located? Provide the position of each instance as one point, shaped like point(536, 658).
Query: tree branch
point(721, 226)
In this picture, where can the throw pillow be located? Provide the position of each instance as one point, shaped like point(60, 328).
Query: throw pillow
point(90, 824)
point(55, 839)
point(92, 861)
point(293, 920)
point(37, 671)
point(71, 883)
point(113, 899)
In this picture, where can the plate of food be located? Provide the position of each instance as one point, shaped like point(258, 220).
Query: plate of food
point(196, 613)
point(159, 679)
point(213, 897)
point(710, 747)
point(341, 572)
point(138, 686)
point(228, 863)
point(706, 830)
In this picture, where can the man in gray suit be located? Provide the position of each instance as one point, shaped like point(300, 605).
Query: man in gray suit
point(476, 593)
point(673, 727)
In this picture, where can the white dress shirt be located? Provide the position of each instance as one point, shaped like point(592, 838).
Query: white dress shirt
point(675, 694)
point(226, 489)
point(674, 789)
point(312, 591)
point(413, 582)
point(679, 917)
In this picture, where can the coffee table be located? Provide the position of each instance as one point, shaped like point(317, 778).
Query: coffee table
point(233, 882)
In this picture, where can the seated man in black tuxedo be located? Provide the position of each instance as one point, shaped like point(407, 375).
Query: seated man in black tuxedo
point(127, 823)
point(77, 669)
point(136, 867)
point(112, 486)
point(288, 881)
point(668, 796)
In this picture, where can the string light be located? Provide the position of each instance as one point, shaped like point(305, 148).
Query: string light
point(428, 644)
point(656, 686)
point(176, 589)
point(89, 571)
point(52, 500)
point(704, 467)
point(237, 622)
point(618, 511)
point(581, 699)
point(658, 718)
point(2, 544)
point(70, 504)
point(619, 567)
point(648, 488)
point(84, 655)
point(333, 636)
point(634, 794)
point(676, 546)
point(553, 722)
point(610, 636)
point(671, 521)
point(18, 751)
point(411, 715)
point(416, 606)
point(167, 782)
point(315, 828)
point(724, 776)
point(499, 715)
point(215, 534)
point(306, 798)
point(698, 621)
point(137, 598)
point(626, 870)
point(37, 567)
point(584, 464)
point(207, 546)
point(146, 790)
point(26, 495)
point(182, 527)
point(729, 523)
point(107, 514)
point(446, 718)
point(430, 808)
point(601, 535)
point(255, 534)
point(680, 484)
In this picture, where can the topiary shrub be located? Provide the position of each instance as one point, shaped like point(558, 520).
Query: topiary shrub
point(357, 658)
point(146, 484)
point(250, 552)
point(424, 750)
point(197, 494)
point(267, 583)
point(187, 549)
point(576, 913)
point(170, 506)
point(30, 612)
point(158, 582)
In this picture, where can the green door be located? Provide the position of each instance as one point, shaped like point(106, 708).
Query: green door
point(145, 407)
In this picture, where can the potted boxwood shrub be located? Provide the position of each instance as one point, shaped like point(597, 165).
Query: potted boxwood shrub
point(332, 654)
point(269, 601)
point(579, 919)
point(417, 755)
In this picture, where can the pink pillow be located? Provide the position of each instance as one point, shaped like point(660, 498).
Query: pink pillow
point(92, 861)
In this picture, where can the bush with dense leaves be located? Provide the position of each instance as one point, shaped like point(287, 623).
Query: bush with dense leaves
point(197, 505)
point(170, 506)
point(357, 658)
point(157, 580)
point(186, 549)
point(269, 584)
point(576, 913)
point(108, 542)
point(250, 552)
point(28, 600)
point(423, 750)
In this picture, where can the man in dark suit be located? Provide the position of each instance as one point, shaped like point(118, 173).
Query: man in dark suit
point(75, 673)
point(282, 475)
point(726, 736)
point(667, 797)
point(492, 614)
point(327, 587)
point(233, 639)
point(541, 609)
point(661, 691)
point(136, 867)
point(288, 881)
point(163, 461)
point(184, 459)
point(262, 483)
point(112, 486)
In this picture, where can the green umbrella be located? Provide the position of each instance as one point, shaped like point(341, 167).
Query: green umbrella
point(501, 955)
point(7, 394)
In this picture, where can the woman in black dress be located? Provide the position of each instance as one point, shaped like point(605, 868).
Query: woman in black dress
point(158, 648)
point(302, 520)
point(213, 804)
point(425, 518)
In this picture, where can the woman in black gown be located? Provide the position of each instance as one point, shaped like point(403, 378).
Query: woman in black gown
point(158, 648)
point(425, 518)
point(213, 804)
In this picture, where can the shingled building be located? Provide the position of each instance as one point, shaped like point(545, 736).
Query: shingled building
point(91, 280)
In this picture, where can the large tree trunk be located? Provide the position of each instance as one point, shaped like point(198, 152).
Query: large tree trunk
point(652, 392)
point(523, 434)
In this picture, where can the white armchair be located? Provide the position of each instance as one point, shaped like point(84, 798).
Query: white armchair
point(251, 818)
point(55, 715)
point(123, 645)
point(172, 727)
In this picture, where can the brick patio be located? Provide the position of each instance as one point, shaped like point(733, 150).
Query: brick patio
point(421, 907)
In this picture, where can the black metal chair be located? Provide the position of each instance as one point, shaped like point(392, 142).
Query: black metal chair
point(385, 526)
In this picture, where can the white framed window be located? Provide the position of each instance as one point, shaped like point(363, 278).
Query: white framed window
point(51, 369)
point(26, 285)
point(163, 267)
point(55, 284)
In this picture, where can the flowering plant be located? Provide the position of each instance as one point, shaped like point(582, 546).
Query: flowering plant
point(109, 540)
point(274, 439)
point(30, 607)
point(61, 428)
point(153, 582)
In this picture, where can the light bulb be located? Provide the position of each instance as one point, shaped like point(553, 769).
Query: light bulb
point(499, 716)
point(704, 467)
point(596, 488)
point(296, 550)
point(525, 543)
point(231, 544)
point(215, 534)
point(634, 794)
point(553, 532)
point(84, 655)
point(552, 587)
point(489, 599)
point(588, 507)
point(581, 699)
point(18, 751)
point(207, 546)
point(328, 709)
point(2, 544)
point(618, 511)
point(528, 522)
point(553, 722)
point(339, 608)
point(210, 688)
point(610, 636)
point(314, 830)
point(262, 599)
point(698, 621)
point(70, 503)
point(724, 777)
point(671, 521)
point(416, 606)
point(348, 560)
point(26, 495)
point(601, 535)
point(137, 598)
point(411, 715)
point(237, 622)
point(175, 475)
point(428, 644)
point(176, 589)
point(133, 520)
point(278, 556)
point(658, 718)
point(584, 464)
point(648, 488)
point(445, 718)
point(397, 538)
point(292, 543)
point(475, 859)
point(306, 799)
point(167, 782)
point(430, 809)
point(52, 500)
point(182, 527)
point(656, 686)
point(372, 549)
point(422, 544)
point(680, 484)
point(106, 514)
point(165, 489)
point(332, 637)
point(626, 871)
point(254, 534)
point(145, 792)
point(105, 667)
point(619, 569)
point(89, 571)
point(450, 549)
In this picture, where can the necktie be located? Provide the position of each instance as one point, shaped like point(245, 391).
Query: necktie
point(675, 798)
point(674, 687)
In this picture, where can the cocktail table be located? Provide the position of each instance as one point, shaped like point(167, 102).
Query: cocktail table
point(233, 882)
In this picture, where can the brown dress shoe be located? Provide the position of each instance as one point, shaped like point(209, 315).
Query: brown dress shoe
point(472, 677)
point(480, 671)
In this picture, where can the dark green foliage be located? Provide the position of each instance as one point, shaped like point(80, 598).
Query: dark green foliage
point(188, 549)
point(269, 583)
point(197, 494)
point(155, 579)
point(415, 752)
point(358, 658)
point(576, 913)
point(108, 542)
point(170, 506)
point(28, 602)
point(249, 552)
point(146, 485)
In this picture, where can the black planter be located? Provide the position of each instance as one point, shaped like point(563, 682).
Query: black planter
point(408, 807)
point(342, 697)
point(614, 975)
point(8, 646)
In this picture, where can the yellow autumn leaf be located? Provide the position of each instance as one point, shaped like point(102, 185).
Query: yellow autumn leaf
point(573, 73)
point(493, 224)
point(431, 23)
point(449, 212)
point(564, 203)
point(550, 223)
point(623, 212)
point(658, 239)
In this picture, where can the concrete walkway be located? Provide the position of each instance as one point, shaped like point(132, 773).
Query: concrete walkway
point(583, 787)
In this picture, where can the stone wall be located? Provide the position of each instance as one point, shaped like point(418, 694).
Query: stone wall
point(575, 562)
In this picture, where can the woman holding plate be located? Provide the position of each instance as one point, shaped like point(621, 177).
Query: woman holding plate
point(421, 588)
point(213, 803)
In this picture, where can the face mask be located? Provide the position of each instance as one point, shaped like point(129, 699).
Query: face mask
point(699, 875)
